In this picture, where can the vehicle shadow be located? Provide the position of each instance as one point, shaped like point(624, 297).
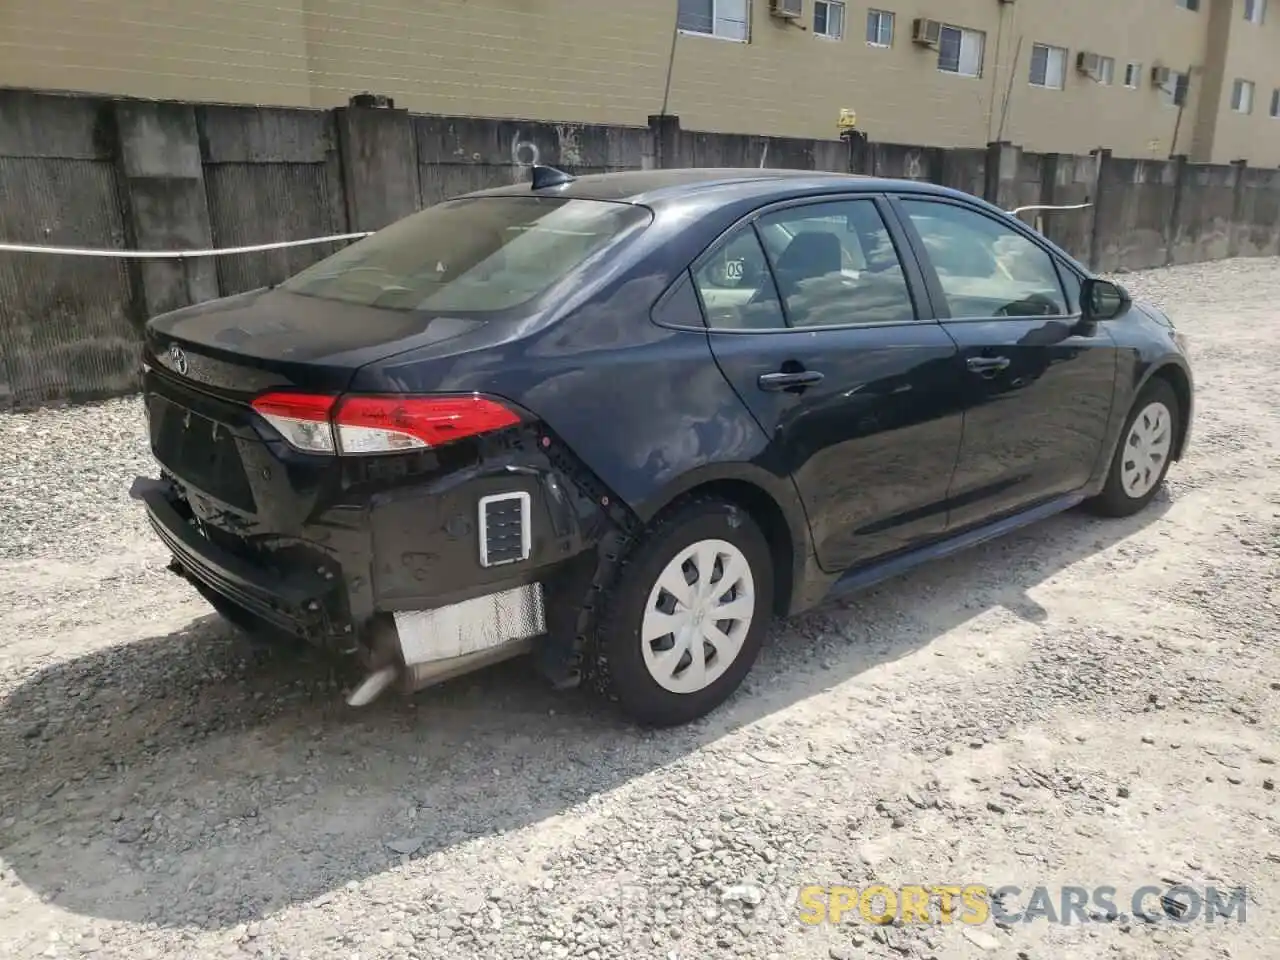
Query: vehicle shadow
point(190, 779)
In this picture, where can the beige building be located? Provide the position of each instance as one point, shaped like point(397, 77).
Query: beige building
point(1143, 77)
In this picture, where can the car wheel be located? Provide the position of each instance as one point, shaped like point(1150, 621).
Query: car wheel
point(685, 619)
point(1143, 456)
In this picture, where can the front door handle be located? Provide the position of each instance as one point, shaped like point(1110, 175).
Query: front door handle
point(799, 379)
point(987, 365)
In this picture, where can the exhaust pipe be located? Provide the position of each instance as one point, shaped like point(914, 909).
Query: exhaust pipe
point(382, 659)
point(373, 686)
point(423, 675)
point(419, 649)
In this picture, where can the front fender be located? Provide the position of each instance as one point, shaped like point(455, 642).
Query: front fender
point(1179, 371)
point(1131, 380)
point(1173, 366)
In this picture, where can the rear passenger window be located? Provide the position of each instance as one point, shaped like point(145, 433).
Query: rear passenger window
point(835, 265)
point(735, 286)
point(680, 307)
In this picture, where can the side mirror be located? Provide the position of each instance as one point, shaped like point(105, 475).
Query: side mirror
point(1102, 300)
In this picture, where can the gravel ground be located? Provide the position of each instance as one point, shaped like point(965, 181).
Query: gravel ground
point(1087, 703)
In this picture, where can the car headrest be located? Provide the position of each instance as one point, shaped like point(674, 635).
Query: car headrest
point(811, 254)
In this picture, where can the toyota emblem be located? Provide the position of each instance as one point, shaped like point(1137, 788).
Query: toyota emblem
point(179, 359)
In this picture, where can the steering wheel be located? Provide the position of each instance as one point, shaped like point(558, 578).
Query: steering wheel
point(1035, 305)
point(394, 289)
point(882, 265)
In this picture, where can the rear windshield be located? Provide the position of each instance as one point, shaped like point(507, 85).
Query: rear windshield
point(479, 254)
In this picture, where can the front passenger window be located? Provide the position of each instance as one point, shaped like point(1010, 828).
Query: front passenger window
point(985, 268)
point(1070, 280)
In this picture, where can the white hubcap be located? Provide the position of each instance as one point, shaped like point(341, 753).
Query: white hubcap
point(1146, 449)
point(698, 616)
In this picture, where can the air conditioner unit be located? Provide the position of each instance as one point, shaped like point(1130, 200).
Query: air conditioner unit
point(1090, 64)
point(1160, 76)
point(787, 9)
point(926, 32)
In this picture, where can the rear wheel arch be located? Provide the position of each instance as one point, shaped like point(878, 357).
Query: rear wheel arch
point(787, 534)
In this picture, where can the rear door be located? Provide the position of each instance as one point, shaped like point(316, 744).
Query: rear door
point(811, 308)
point(1038, 385)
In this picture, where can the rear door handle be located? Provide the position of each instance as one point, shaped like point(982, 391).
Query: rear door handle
point(987, 364)
point(775, 382)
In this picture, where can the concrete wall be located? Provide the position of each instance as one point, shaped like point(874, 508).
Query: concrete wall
point(1202, 226)
point(1241, 50)
point(1134, 215)
point(132, 174)
point(1254, 226)
point(68, 326)
point(597, 62)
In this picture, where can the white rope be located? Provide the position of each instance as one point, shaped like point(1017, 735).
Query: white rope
point(1069, 206)
point(173, 254)
point(263, 247)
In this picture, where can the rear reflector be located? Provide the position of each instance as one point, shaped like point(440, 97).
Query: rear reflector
point(353, 426)
point(301, 418)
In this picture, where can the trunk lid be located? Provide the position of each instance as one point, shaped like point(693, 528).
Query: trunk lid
point(207, 362)
point(242, 345)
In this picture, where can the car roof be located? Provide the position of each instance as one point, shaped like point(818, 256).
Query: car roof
point(649, 187)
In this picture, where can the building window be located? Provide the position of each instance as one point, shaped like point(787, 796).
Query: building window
point(1132, 75)
point(1255, 10)
point(1242, 96)
point(1275, 103)
point(828, 19)
point(1188, 4)
point(880, 28)
point(1048, 66)
point(726, 19)
point(960, 51)
point(1106, 74)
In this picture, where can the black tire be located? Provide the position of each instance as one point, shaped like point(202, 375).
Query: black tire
point(1113, 501)
point(619, 653)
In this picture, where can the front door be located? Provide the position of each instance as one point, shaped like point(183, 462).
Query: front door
point(812, 319)
point(1038, 385)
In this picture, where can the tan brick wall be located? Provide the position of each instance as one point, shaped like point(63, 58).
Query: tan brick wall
point(581, 60)
point(578, 60)
point(251, 51)
point(606, 61)
point(797, 83)
point(1252, 53)
point(1132, 122)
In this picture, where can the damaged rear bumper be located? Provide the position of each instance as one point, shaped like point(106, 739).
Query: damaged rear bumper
point(299, 603)
point(409, 649)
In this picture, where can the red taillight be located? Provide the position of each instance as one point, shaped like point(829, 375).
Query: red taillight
point(387, 424)
point(358, 425)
